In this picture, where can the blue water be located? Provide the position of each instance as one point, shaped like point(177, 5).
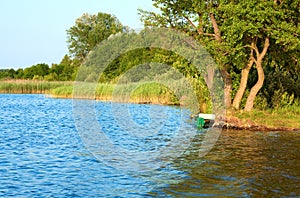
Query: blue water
point(42, 154)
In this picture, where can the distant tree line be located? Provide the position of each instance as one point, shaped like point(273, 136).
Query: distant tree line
point(87, 32)
point(64, 71)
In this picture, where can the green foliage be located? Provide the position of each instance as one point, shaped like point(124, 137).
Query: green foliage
point(282, 117)
point(7, 73)
point(230, 30)
point(89, 31)
point(36, 70)
point(154, 92)
point(261, 102)
point(65, 71)
point(145, 64)
point(240, 23)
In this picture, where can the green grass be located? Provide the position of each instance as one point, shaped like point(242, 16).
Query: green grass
point(29, 86)
point(62, 91)
point(133, 92)
point(288, 117)
point(145, 93)
point(141, 92)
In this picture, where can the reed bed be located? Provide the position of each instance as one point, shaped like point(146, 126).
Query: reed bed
point(30, 86)
point(141, 92)
point(147, 93)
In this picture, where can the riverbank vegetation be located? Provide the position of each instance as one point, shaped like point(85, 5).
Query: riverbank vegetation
point(141, 93)
point(280, 119)
point(285, 118)
point(255, 45)
point(30, 86)
point(247, 39)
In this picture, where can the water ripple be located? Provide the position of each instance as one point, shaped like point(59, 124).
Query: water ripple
point(42, 155)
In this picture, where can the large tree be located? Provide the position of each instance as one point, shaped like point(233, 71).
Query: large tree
point(89, 30)
point(238, 34)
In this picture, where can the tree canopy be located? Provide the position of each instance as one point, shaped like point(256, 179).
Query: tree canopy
point(240, 35)
point(89, 30)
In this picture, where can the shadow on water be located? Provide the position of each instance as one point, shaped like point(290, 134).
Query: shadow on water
point(242, 164)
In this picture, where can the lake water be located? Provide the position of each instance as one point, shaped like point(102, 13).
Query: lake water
point(42, 154)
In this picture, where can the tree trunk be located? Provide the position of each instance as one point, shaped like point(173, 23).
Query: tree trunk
point(243, 84)
point(255, 89)
point(209, 77)
point(226, 76)
point(227, 95)
point(227, 87)
point(261, 76)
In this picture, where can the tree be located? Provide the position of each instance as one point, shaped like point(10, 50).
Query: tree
point(7, 73)
point(90, 30)
point(197, 19)
point(238, 34)
point(56, 70)
point(260, 26)
point(19, 73)
point(29, 72)
point(38, 71)
point(68, 68)
point(42, 70)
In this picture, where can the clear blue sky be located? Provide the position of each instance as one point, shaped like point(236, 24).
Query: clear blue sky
point(34, 31)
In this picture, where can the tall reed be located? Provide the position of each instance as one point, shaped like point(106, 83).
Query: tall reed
point(30, 86)
point(133, 92)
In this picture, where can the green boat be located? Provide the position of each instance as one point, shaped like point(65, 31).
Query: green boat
point(205, 120)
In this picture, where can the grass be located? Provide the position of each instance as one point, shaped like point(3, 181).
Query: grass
point(288, 117)
point(29, 86)
point(62, 91)
point(134, 92)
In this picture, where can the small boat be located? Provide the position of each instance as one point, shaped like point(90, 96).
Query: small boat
point(205, 120)
point(207, 116)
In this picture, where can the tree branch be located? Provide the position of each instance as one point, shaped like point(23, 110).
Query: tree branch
point(200, 32)
point(216, 27)
point(191, 22)
point(266, 46)
point(200, 29)
point(253, 47)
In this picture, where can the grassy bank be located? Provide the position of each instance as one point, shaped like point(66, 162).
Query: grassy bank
point(271, 119)
point(134, 92)
point(30, 86)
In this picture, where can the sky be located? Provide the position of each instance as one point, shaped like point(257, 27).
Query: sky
point(34, 31)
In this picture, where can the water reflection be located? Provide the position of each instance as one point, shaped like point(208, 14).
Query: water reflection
point(242, 164)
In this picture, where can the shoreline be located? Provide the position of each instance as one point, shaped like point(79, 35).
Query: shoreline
point(233, 120)
point(229, 122)
point(109, 99)
point(234, 123)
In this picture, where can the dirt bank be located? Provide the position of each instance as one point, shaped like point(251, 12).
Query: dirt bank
point(231, 122)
